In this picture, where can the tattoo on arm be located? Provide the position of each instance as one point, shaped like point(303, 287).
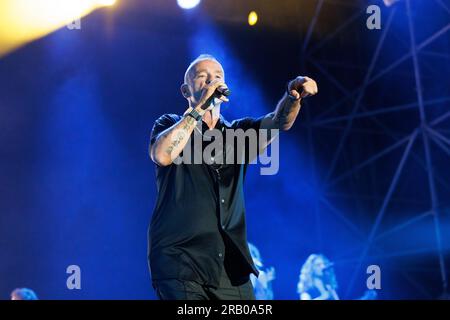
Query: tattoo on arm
point(181, 134)
point(285, 111)
point(190, 121)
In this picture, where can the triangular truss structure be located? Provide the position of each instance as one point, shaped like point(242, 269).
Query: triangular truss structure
point(382, 132)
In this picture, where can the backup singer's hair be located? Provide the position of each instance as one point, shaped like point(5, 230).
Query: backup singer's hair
point(307, 274)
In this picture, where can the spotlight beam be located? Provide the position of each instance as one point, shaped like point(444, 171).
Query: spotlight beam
point(23, 21)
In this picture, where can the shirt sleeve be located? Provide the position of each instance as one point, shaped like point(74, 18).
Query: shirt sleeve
point(162, 123)
point(248, 123)
point(250, 151)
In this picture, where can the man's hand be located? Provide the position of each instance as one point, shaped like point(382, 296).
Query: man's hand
point(302, 87)
point(209, 93)
point(289, 106)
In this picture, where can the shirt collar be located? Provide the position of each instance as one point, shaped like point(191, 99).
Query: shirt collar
point(221, 124)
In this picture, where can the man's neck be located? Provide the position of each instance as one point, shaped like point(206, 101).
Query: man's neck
point(212, 116)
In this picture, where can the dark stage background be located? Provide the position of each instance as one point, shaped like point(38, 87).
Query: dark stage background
point(364, 173)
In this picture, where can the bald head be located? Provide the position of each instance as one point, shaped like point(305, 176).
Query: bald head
point(204, 62)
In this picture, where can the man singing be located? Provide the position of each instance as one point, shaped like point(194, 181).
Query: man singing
point(197, 237)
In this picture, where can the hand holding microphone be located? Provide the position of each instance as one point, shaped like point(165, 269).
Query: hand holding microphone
point(216, 89)
point(224, 91)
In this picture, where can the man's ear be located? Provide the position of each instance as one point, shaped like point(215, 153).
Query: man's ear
point(185, 91)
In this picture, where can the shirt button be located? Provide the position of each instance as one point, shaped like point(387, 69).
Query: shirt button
point(223, 200)
point(220, 255)
point(212, 159)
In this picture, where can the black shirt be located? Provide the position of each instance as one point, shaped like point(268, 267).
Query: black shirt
point(198, 223)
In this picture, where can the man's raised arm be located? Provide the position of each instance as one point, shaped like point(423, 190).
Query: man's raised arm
point(287, 109)
point(289, 106)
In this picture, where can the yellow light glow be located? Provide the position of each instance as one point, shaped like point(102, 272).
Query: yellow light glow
point(252, 18)
point(22, 21)
point(106, 2)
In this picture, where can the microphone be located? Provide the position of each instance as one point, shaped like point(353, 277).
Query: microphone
point(220, 91)
point(329, 265)
point(224, 91)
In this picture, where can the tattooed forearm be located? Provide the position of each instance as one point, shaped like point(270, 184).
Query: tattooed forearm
point(190, 121)
point(286, 113)
point(170, 143)
point(179, 137)
point(182, 133)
